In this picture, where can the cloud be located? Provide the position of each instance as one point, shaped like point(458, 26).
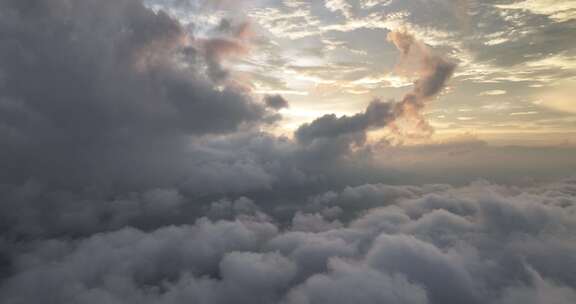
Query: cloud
point(558, 97)
point(433, 74)
point(340, 5)
point(493, 93)
point(541, 290)
point(276, 101)
point(560, 11)
point(233, 42)
point(349, 283)
point(377, 115)
point(132, 175)
point(78, 106)
point(490, 243)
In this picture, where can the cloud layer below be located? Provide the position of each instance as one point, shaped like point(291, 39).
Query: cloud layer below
point(488, 243)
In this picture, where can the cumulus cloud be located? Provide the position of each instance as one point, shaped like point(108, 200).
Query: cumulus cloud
point(349, 283)
point(488, 243)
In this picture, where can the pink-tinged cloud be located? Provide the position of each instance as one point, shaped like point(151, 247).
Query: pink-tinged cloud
point(433, 73)
point(234, 44)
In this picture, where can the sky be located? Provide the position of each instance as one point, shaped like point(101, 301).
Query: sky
point(287, 152)
point(514, 82)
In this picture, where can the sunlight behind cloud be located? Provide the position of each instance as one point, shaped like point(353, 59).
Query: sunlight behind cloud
point(560, 97)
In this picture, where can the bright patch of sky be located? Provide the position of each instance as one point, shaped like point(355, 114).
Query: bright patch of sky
point(516, 59)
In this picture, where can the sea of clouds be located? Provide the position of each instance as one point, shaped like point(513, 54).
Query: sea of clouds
point(131, 175)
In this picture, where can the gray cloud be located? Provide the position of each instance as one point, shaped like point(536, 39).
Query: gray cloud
point(453, 232)
point(106, 94)
point(129, 176)
point(376, 115)
point(276, 101)
point(232, 42)
point(350, 283)
point(421, 262)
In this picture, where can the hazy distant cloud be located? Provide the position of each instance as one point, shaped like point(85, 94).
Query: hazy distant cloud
point(493, 93)
point(276, 101)
point(562, 10)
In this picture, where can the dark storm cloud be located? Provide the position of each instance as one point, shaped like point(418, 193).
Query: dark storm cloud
point(97, 86)
point(103, 107)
